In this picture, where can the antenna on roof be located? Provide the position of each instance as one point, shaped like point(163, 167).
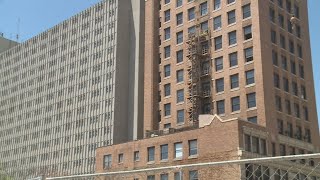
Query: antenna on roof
point(18, 30)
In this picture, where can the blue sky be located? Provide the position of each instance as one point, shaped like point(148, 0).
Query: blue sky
point(38, 15)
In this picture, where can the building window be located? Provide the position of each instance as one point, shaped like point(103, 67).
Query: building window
point(180, 116)
point(247, 143)
point(167, 70)
point(166, 1)
point(272, 16)
point(217, 4)
point(177, 175)
point(276, 80)
point(167, 126)
point(204, 26)
point(306, 113)
point(218, 63)
point(282, 42)
point(280, 126)
point(289, 130)
point(247, 32)
point(204, 8)
point(248, 54)
point(167, 51)
point(136, 156)
point(250, 77)
point(299, 48)
point(251, 99)
point(179, 76)
point(179, 3)
point(231, 17)
point(273, 36)
point(296, 108)
point(107, 159)
point(193, 175)
point(151, 153)
point(179, 55)
point(193, 147)
point(293, 67)
point(282, 149)
point(120, 158)
point(164, 152)
point(303, 92)
point(246, 11)
point(217, 23)
point(233, 59)
point(218, 43)
point(220, 85)
point(167, 109)
point(255, 145)
point(180, 95)
point(307, 135)
point(179, 18)
point(288, 106)
point(151, 177)
point(294, 88)
point(234, 81)
point(178, 150)
point(167, 34)
point(232, 37)
point(253, 119)
point(301, 71)
point(286, 84)
point(284, 62)
point(164, 177)
point(180, 37)
point(231, 1)
point(220, 107)
point(291, 46)
point(235, 104)
point(167, 15)
point(298, 31)
point(167, 89)
point(281, 20)
point(191, 14)
point(278, 103)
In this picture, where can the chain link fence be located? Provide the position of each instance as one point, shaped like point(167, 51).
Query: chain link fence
point(293, 167)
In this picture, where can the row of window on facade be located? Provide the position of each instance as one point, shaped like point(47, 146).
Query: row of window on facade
point(217, 3)
point(297, 134)
point(203, 8)
point(163, 154)
point(288, 107)
point(284, 64)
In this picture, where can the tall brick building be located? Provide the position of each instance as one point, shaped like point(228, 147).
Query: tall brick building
point(248, 60)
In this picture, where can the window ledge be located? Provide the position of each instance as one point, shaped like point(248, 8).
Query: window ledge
point(180, 25)
point(180, 124)
point(235, 89)
point(166, 40)
point(167, 97)
point(251, 109)
point(179, 63)
point(168, 77)
point(231, 4)
point(178, 83)
point(179, 103)
point(215, 10)
point(236, 112)
point(233, 24)
point(167, 117)
point(247, 63)
point(233, 45)
point(164, 161)
point(250, 85)
point(234, 67)
point(177, 159)
point(180, 44)
point(193, 156)
point(219, 93)
point(248, 40)
point(150, 162)
point(247, 18)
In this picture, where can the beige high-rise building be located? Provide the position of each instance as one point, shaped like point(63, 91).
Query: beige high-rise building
point(71, 89)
